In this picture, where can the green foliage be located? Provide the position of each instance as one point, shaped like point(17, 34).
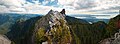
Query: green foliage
point(75, 38)
point(93, 33)
point(60, 34)
point(84, 33)
point(12, 42)
point(112, 27)
point(40, 36)
point(21, 32)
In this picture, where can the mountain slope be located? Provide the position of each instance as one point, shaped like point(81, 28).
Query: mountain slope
point(113, 31)
point(21, 29)
point(51, 28)
point(8, 19)
point(73, 20)
point(113, 25)
point(55, 27)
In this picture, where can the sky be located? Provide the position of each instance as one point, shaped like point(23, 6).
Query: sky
point(94, 7)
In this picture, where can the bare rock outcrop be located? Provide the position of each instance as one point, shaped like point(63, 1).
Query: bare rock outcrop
point(4, 40)
point(112, 40)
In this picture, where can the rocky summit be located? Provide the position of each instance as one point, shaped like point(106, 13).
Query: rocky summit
point(51, 19)
point(55, 27)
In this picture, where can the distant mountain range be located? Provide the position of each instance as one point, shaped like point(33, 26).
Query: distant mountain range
point(8, 19)
point(92, 18)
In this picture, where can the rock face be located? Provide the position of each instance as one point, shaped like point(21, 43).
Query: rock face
point(54, 25)
point(50, 19)
point(115, 40)
point(4, 40)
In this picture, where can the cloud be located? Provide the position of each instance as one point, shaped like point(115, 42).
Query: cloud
point(71, 6)
point(24, 6)
point(3, 9)
point(52, 0)
point(77, 4)
point(9, 3)
point(65, 2)
point(106, 5)
point(12, 5)
point(40, 9)
point(45, 2)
